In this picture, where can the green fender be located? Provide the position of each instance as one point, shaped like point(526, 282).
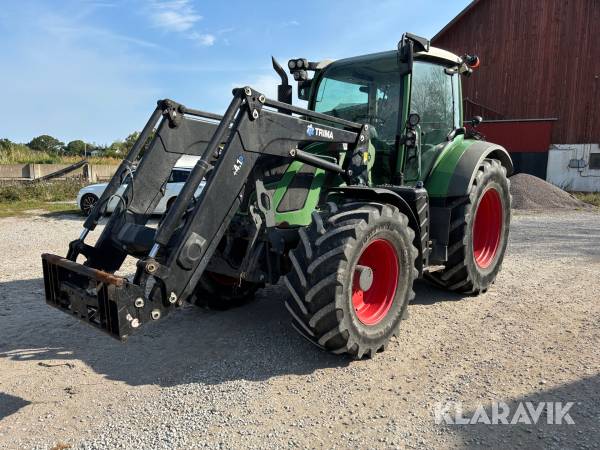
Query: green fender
point(303, 216)
point(300, 217)
point(453, 172)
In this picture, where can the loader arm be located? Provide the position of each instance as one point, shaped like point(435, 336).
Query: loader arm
point(173, 257)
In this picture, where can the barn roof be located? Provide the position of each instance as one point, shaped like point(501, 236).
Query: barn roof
point(458, 17)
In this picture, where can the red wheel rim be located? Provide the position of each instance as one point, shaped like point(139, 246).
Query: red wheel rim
point(487, 228)
point(372, 305)
point(223, 280)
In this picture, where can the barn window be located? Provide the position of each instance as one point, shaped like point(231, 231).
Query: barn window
point(595, 161)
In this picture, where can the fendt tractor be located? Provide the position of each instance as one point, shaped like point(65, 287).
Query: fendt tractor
point(377, 183)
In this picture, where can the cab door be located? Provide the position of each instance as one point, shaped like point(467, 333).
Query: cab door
point(435, 97)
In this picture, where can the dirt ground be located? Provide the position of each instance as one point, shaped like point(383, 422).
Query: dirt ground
point(243, 378)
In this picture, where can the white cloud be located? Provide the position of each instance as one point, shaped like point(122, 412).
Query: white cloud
point(205, 39)
point(226, 30)
point(174, 15)
point(179, 16)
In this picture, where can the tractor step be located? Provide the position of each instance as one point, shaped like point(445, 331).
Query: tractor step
point(101, 299)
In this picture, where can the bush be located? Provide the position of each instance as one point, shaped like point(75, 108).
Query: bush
point(48, 191)
point(593, 198)
point(11, 153)
point(21, 154)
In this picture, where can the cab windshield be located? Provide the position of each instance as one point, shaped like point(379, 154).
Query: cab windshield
point(364, 90)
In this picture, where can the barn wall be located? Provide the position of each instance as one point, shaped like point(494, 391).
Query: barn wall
point(526, 140)
point(539, 58)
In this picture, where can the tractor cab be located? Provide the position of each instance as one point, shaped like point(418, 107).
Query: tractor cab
point(385, 89)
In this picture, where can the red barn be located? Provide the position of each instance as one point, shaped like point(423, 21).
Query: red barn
point(538, 86)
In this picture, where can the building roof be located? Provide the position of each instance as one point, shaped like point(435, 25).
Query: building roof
point(458, 17)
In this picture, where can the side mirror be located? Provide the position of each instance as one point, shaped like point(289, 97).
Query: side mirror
point(413, 120)
point(475, 121)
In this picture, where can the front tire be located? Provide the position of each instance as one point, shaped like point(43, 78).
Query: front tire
point(479, 229)
point(352, 277)
point(87, 203)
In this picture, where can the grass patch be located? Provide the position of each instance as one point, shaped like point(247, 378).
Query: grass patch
point(16, 198)
point(20, 208)
point(593, 198)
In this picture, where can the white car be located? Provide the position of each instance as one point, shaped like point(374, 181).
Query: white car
point(89, 195)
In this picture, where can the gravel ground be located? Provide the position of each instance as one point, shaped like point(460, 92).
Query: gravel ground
point(243, 378)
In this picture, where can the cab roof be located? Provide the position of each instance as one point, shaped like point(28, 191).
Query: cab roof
point(443, 56)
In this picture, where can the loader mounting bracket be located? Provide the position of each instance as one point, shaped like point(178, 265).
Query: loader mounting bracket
point(105, 301)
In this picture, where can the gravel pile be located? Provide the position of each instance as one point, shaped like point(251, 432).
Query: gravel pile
point(533, 193)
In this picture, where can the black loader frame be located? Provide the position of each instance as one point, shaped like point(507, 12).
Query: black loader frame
point(173, 257)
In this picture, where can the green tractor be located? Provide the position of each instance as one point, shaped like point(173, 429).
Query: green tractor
point(375, 184)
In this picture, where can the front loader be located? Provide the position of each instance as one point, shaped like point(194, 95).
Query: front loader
point(375, 184)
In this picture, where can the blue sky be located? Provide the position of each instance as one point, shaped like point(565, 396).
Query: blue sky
point(93, 69)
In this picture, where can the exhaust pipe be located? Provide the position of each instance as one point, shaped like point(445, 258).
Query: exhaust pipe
point(284, 90)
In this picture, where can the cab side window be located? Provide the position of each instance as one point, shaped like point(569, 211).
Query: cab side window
point(433, 98)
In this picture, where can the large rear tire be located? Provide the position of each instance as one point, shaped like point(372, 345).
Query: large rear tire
point(479, 229)
point(352, 277)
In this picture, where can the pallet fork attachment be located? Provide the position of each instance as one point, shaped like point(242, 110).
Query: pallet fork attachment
point(173, 257)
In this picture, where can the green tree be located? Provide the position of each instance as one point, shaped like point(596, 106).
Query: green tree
point(121, 148)
point(115, 150)
point(130, 142)
point(6, 144)
point(46, 143)
point(77, 147)
point(132, 139)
